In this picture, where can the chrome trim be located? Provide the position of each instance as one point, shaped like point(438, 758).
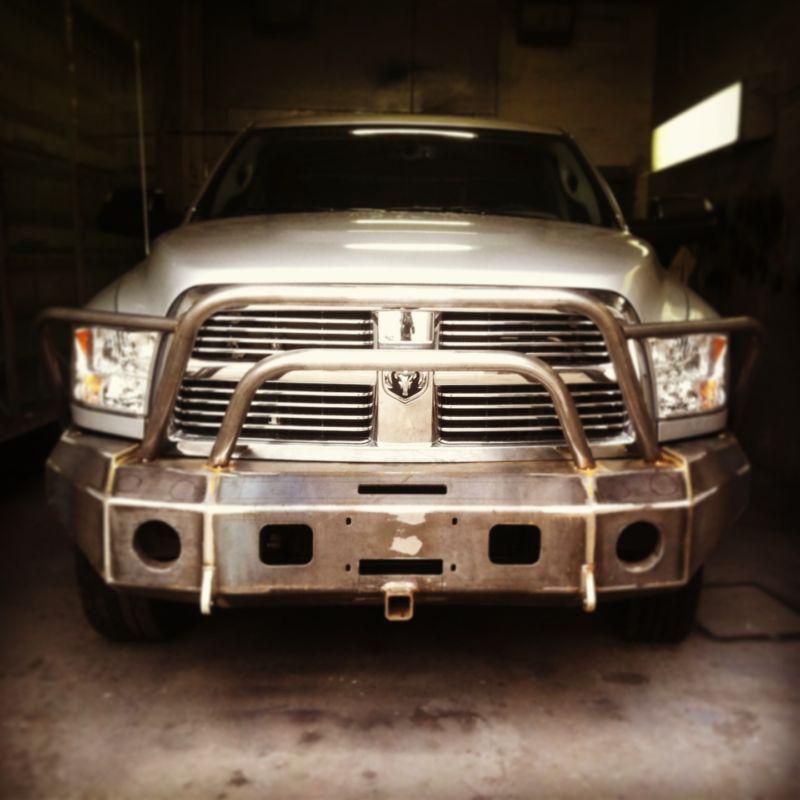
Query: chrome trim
point(94, 419)
point(688, 427)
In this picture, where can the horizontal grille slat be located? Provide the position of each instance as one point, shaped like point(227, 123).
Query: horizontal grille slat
point(517, 394)
point(223, 331)
point(283, 427)
point(549, 353)
point(257, 414)
point(253, 334)
point(304, 316)
point(267, 404)
point(498, 417)
point(565, 323)
point(540, 406)
point(280, 411)
point(463, 317)
point(193, 386)
point(243, 353)
point(524, 413)
point(525, 337)
point(557, 338)
point(483, 430)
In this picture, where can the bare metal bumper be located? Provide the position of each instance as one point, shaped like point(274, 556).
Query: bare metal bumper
point(692, 495)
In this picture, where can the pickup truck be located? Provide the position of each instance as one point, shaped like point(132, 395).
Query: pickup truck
point(395, 360)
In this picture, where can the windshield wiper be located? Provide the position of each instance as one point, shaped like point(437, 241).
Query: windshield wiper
point(521, 211)
point(501, 211)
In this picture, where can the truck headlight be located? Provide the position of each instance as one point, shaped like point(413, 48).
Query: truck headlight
point(111, 368)
point(691, 374)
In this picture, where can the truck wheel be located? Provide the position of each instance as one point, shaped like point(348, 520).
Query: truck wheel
point(665, 617)
point(123, 617)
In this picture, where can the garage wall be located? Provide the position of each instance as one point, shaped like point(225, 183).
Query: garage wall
point(67, 136)
point(439, 56)
point(599, 88)
point(753, 266)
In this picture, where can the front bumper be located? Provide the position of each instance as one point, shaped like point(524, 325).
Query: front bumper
point(691, 496)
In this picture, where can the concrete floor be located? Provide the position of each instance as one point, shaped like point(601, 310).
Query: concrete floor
point(491, 703)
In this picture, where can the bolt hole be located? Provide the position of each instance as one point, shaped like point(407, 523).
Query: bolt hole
point(452, 568)
point(638, 545)
point(455, 520)
point(347, 567)
point(157, 543)
point(348, 521)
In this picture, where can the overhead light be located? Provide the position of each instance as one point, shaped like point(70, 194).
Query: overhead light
point(437, 222)
point(411, 247)
point(711, 124)
point(451, 134)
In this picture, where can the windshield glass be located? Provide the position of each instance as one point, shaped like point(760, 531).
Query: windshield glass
point(337, 168)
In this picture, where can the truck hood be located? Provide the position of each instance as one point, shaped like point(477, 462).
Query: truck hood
point(390, 248)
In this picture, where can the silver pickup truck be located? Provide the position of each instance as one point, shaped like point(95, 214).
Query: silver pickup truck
point(390, 361)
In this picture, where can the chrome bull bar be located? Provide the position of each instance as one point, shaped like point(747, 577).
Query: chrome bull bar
point(184, 327)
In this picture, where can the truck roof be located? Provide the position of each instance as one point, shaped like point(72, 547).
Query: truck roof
point(406, 120)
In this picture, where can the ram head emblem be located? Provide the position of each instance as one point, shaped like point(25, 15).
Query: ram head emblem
point(405, 385)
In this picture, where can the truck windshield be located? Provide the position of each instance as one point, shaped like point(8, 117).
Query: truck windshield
point(337, 168)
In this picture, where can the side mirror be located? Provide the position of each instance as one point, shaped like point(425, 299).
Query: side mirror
point(121, 213)
point(676, 221)
point(681, 207)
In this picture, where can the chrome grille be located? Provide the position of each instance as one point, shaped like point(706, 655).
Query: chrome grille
point(559, 339)
point(323, 412)
point(524, 413)
point(251, 334)
point(479, 413)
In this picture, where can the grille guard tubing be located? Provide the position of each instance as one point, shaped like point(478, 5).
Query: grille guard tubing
point(184, 328)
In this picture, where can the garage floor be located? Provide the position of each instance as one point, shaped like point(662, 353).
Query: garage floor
point(460, 703)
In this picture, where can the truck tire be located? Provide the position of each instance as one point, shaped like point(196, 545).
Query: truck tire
point(667, 617)
point(123, 617)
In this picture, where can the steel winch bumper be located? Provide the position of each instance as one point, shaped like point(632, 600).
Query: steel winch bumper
point(387, 514)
